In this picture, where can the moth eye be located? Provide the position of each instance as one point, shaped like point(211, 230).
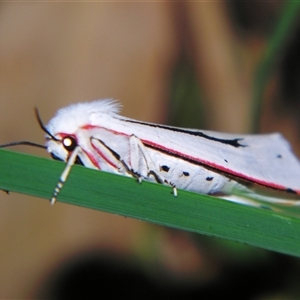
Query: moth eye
point(69, 143)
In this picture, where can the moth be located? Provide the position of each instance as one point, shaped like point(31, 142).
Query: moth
point(231, 166)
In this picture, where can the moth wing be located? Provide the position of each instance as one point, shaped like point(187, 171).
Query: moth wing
point(266, 159)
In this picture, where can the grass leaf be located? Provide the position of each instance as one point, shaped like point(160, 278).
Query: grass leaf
point(150, 202)
point(276, 45)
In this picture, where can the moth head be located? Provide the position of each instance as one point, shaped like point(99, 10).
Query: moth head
point(59, 145)
point(62, 131)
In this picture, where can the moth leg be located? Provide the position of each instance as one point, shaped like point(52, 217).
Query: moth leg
point(64, 175)
point(174, 189)
point(140, 160)
point(111, 157)
point(142, 163)
point(114, 159)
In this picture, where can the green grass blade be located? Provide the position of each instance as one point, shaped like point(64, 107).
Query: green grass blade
point(277, 43)
point(150, 202)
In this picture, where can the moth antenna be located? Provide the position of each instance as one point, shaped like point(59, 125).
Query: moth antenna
point(23, 143)
point(42, 125)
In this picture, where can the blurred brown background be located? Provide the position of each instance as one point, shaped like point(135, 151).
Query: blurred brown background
point(53, 54)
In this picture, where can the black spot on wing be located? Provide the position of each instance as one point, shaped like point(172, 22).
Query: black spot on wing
point(165, 168)
point(186, 173)
point(209, 178)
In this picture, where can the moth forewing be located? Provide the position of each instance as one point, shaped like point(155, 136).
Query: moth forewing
point(263, 159)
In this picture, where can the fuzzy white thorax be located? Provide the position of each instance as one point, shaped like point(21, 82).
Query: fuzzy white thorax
point(72, 117)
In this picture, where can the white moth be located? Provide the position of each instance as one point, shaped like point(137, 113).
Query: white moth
point(227, 165)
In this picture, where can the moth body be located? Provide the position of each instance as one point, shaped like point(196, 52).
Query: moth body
point(196, 160)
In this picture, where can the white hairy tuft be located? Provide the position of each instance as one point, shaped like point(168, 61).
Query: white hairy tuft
point(68, 119)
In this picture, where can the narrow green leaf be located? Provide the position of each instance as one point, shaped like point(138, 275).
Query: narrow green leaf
point(150, 202)
point(276, 45)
